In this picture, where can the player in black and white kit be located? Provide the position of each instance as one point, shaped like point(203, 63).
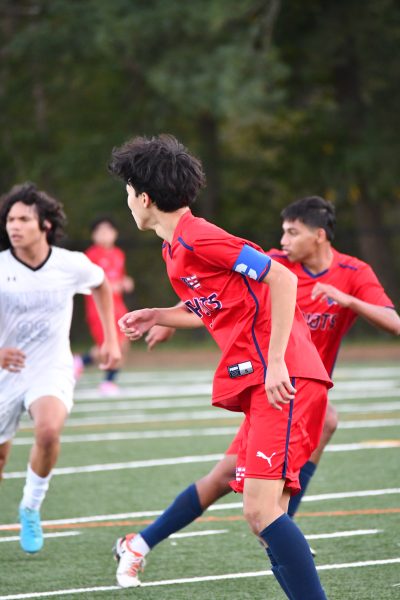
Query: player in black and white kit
point(37, 285)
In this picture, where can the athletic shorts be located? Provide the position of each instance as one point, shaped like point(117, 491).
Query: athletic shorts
point(59, 383)
point(273, 444)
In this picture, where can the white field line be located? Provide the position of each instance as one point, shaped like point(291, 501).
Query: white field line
point(342, 534)
point(15, 538)
point(206, 375)
point(116, 405)
point(198, 533)
point(186, 580)
point(208, 415)
point(115, 436)
point(348, 389)
point(180, 460)
point(200, 415)
point(168, 399)
point(151, 391)
point(214, 507)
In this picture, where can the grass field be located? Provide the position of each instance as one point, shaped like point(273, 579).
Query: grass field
point(123, 460)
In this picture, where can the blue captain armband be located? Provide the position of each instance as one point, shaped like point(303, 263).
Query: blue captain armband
point(253, 263)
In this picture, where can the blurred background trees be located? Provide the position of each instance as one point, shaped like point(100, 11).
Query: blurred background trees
point(279, 99)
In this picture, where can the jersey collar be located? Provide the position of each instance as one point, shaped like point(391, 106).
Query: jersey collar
point(316, 275)
point(29, 266)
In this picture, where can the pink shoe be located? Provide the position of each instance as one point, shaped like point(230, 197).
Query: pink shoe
point(78, 366)
point(108, 388)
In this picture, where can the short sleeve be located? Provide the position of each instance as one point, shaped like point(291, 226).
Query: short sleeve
point(368, 288)
point(229, 252)
point(87, 274)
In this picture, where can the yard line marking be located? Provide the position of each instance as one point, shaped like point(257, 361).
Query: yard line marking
point(136, 435)
point(208, 415)
point(179, 460)
point(115, 436)
point(96, 523)
point(15, 538)
point(135, 464)
point(198, 533)
point(342, 373)
point(145, 405)
point(185, 580)
point(152, 391)
point(341, 534)
point(214, 507)
point(199, 415)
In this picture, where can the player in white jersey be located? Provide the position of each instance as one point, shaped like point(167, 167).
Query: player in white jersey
point(37, 285)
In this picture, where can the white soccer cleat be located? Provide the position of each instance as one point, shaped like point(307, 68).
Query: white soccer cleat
point(130, 563)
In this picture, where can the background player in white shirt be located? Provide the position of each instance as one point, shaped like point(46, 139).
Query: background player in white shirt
point(37, 285)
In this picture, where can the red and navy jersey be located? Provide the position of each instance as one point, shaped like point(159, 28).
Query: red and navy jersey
point(329, 322)
point(112, 261)
point(218, 276)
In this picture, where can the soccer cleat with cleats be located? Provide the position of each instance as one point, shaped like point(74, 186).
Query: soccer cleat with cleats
point(130, 563)
point(31, 536)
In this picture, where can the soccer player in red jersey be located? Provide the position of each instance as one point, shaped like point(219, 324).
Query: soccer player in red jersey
point(333, 290)
point(111, 259)
point(270, 370)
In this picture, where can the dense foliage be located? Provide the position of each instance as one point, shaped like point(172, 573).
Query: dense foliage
point(279, 99)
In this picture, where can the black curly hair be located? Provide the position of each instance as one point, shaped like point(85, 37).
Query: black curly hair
point(47, 208)
point(162, 167)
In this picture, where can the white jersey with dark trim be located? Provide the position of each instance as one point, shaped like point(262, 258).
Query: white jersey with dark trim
point(36, 309)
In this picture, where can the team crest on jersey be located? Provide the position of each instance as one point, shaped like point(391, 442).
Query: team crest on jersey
point(192, 282)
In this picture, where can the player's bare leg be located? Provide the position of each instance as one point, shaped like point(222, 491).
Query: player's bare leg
point(48, 414)
point(308, 470)
point(330, 426)
point(215, 484)
point(264, 501)
point(4, 453)
point(130, 551)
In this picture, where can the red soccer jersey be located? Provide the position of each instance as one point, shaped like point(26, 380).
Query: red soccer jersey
point(202, 265)
point(329, 323)
point(112, 261)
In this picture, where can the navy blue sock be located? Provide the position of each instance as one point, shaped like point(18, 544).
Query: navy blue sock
point(87, 359)
point(111, 374)
point(292, 553)
point(278, 576)
point(306, 472)
point(184, 509)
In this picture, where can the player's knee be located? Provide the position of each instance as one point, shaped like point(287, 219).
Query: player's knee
point(254, 519)
point(3, 460)
point(331, 421)
point(47, 437)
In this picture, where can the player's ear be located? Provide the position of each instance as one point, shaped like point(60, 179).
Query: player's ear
point(321, 235)
point(46, 225)
point(146, 200)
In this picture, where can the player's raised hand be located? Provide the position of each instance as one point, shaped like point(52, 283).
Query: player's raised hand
point(278, 385)
point(324, 292)
point(12, 359)
point(134, 324)
point(157, 335)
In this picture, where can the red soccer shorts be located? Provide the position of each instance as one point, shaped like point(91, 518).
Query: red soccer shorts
point(273, 444)
point(94, 322)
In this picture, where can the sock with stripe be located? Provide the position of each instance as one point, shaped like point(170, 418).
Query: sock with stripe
point(184, 509)
point(295, 563)
point(306, 473)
